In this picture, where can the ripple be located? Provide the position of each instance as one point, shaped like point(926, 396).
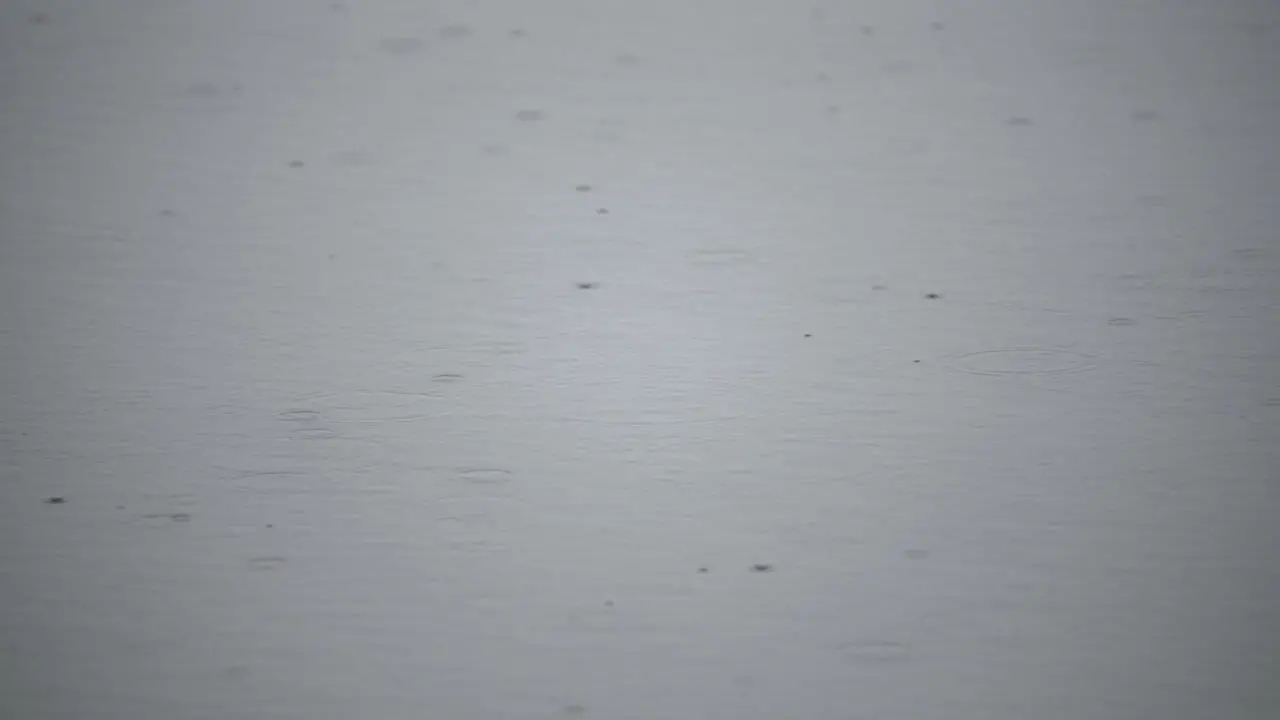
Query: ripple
point(299, 415)
point(484, 475)
point(720, 256)
point(876, 652)
point(400, 45)
point(373, 406)
point(1022, 361)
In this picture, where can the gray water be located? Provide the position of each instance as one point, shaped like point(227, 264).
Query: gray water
point(701, 359)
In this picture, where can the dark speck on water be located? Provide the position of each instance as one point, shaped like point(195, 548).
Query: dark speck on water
point(296, 164)
point(583, 188)
point(602, 211)
point(932, 296)
point(588, 285)
point(57, 500)
point(703, 571)
point(762, 568)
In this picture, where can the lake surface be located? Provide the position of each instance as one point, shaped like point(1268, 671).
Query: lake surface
point(639, 360)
